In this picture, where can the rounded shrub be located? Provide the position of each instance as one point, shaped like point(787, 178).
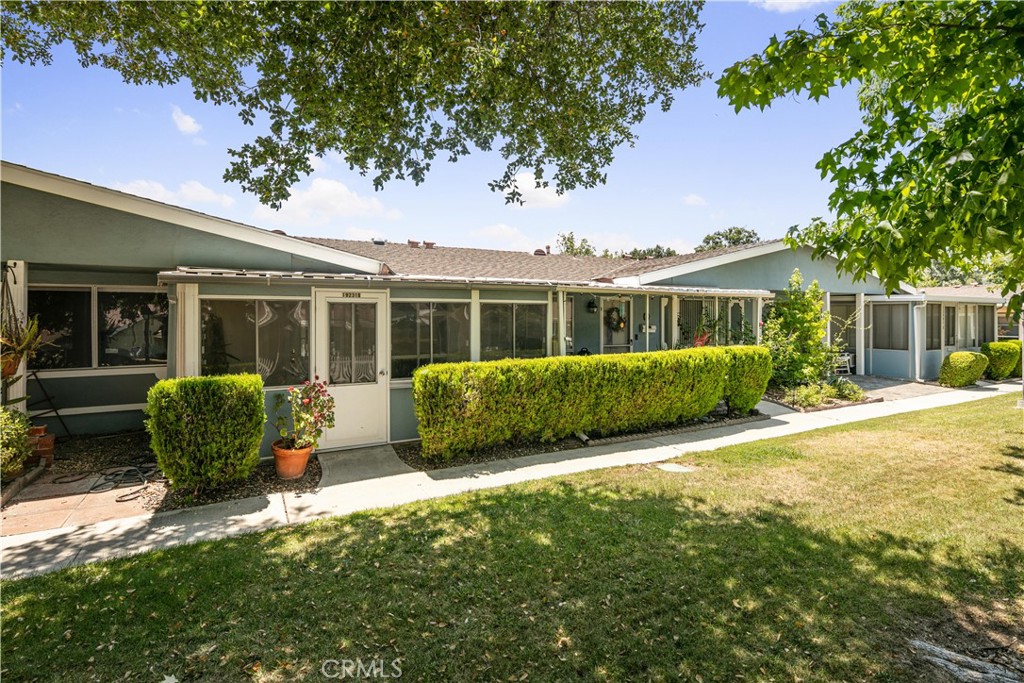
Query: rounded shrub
point(747, 376)
point(1003, 358)
point(206, 431)
point(15, 445)
point(1016, 372)
point(962, 369)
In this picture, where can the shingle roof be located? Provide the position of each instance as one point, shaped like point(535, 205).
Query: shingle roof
point(440, 261)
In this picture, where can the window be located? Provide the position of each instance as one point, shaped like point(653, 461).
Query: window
point(950, 325)
point(266, 337)
point(513, 331)
point(131, 328)
point(933, 336)
point(891, 325)
point(423, 333)
point(564, 344)
point(986, 324)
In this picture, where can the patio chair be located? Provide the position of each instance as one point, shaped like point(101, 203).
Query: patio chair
point(844, 364)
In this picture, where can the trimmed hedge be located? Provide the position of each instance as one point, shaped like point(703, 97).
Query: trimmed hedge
point(1003, 358)
point(750, 370)
point(206, 431)
point(15, 445)
point(962, 369)
point(464, 407)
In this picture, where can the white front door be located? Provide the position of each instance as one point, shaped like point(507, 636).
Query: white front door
point(350, 352)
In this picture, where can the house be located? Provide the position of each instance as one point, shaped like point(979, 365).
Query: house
point(131, 290)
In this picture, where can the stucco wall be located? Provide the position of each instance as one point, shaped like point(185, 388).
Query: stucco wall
point(772, 272)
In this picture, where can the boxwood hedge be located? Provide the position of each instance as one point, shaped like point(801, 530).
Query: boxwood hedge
point(1003, 358)
point(206, 431)
point(1017, 370)
point(962, 369)
point(464, 407)
point(747, 377)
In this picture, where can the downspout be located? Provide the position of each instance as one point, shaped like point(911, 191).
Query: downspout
point(917, 340)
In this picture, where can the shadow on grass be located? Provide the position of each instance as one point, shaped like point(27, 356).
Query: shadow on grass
point(556, 581)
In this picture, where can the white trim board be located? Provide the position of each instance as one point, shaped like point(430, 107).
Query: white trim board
point(120, 201)
point(89, 410)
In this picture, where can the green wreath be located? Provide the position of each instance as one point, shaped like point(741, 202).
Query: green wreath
point(614, 321)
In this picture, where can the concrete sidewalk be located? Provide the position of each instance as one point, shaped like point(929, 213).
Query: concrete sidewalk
point(375, 477)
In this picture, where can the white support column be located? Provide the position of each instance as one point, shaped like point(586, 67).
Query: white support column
point(861, 314)
point(17, 279)
point(647, 322)
point(189, 344)
point(474, 325)
point(562, 324)
point(549, 329)
point(758, 316)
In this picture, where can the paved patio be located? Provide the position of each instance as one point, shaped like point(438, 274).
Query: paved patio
point(375, 477)
point(891, 389)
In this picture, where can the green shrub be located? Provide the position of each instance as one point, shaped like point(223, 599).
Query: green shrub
point(1016, 372)
point(206, 431)
point(810, 395)
point(468, 406)
point(962, 369)
point(747, 376)
point(1003, 358)
point(844, 389)
point(14, 442)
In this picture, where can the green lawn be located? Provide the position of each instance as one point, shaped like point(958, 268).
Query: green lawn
point(808, 558)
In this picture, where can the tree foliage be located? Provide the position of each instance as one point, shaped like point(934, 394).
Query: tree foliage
point(391, 86)
point(657, 251)
point(795, 335)
point(937, 170)
point(728, 237)
point(567, 244)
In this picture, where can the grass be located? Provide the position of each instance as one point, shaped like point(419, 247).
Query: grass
point(807, 558)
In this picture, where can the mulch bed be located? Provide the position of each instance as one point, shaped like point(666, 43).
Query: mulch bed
point(411, 453)
point(779, 397)
point(85, 454)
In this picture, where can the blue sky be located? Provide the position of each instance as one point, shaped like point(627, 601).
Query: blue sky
point(696, 169)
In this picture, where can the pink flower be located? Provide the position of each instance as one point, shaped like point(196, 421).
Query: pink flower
point(305, 401)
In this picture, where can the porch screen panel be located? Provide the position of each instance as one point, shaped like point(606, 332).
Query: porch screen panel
point(497, 335)
point(132, 328)
point(410, 343)
point(986, 324)
point(691, 313)
point(950, 326)
point(228, 336)
point(844, 328)
point(449, 334)
point(891, 324)
point(65, 319)
point(352, 339)
point(283, 342)
point(530, 330)
point(933, 338)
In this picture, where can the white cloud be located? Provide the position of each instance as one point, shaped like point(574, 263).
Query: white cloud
point(538, 197)
point(185, 123)
point(693, 199)
point(191, 192)
point(501, 236)
point(785, 6)
point(322, 202)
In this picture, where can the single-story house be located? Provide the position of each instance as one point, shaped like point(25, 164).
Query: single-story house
point(131, 290)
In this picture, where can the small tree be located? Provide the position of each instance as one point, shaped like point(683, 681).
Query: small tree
point(795, 335)
point(567, 244)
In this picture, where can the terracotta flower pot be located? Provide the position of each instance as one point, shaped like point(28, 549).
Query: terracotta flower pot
point(11, 365)
point(290, 462)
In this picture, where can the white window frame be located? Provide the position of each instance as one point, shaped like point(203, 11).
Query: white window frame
point(236, 297)
point(95, 369)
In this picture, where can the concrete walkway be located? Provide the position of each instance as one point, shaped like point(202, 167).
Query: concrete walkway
point(374, 477)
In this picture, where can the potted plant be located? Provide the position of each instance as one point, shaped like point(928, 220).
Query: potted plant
point(311, 412)
point(18, 340)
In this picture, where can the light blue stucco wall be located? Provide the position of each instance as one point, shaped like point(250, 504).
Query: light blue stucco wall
point(45, 228)
point(931, 361)
point(772, 272)
point(403, 414)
